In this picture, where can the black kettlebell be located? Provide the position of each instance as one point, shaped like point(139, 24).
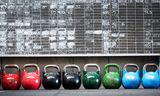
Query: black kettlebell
point(51, 80)
point(71, 80)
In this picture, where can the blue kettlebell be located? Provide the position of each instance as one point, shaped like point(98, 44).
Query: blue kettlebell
point(150, 79)
point(159, 77)
point(131, 80)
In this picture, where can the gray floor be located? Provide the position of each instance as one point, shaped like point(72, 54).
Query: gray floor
point(82, 92)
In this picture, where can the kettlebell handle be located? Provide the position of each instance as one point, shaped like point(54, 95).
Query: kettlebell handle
point(150, 64)
point(53, 66)
point(71, 66)
point(30, 65)
point(11, 66)
point(91, 65)
point(112, 65)
point(130, 64)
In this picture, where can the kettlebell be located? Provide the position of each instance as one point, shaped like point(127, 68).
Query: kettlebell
point(131, 80)
point(159, 75)
point(91, 80)
point(150, 79)
point(11, 81)
point(71, 80)
point(51, 80)
point(0, 74)
point(31, 80)
point(111, 80)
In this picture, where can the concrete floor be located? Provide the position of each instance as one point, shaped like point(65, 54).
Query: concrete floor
point(100, 92)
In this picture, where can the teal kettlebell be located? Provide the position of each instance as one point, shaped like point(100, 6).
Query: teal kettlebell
point(91, 80)
point(150, 79)
point(159, 77)
point(131, 80)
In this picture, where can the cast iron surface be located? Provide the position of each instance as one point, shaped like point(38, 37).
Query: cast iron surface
point(82, 92)
point(51, 80)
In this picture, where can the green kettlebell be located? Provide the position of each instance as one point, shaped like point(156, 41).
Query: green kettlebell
point(91, 80)
point(112, 80)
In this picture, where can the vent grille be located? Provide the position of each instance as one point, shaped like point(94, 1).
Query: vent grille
point(37, 27)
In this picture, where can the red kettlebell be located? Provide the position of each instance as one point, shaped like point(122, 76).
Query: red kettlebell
point(31, 80)
point(0, 75)
point(11, 81)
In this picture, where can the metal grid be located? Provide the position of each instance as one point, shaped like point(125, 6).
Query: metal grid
point(64, 27)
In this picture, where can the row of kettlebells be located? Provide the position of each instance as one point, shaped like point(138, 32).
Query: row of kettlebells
point(72, 80)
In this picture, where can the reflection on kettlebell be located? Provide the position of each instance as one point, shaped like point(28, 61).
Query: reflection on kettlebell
point(131, 80)
point(51, 80)
point(11, 81)
point(150, 79)
point(91, 80)
point(111, 80)
point(31, 80)
point(71, 80)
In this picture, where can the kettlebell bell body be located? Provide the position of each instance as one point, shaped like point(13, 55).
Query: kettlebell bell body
point(31, 80)
point(71, 80)
point(0, 75)
point(112, 80)
point(51, 80)
point(150, 79)
point(91, 80)
point(11, 81)
point(159, 75)
point(131, 80)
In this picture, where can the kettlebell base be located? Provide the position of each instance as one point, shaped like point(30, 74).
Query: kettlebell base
point(30, 89)
point(130, 88)
point(51, 87)
point(150, 88)
point(88, 85)
point(66, 87)
point(112, 87)
point(91, 87)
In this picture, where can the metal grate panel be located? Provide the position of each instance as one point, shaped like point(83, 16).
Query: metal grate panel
point(65, 27)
